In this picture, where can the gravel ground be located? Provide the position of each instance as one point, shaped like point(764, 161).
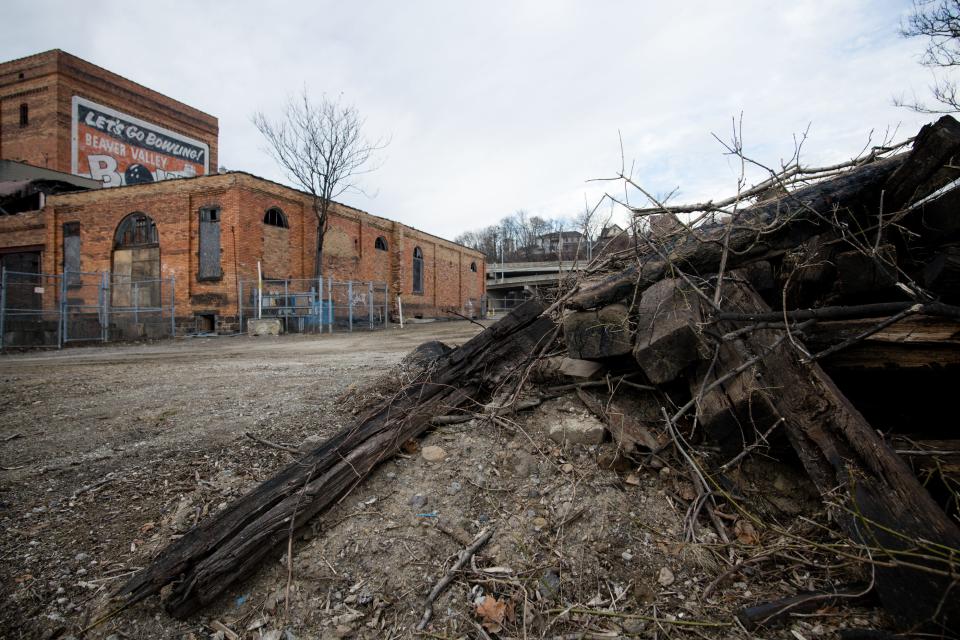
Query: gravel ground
point(108, 454)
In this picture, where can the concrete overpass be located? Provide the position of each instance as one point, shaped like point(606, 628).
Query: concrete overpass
point(523, 275)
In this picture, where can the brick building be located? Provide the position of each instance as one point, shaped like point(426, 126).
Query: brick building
point(170, 214)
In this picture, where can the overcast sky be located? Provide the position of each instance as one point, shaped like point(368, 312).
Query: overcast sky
point(497, 106)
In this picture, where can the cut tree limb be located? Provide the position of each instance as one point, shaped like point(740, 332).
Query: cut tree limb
point(227, 547)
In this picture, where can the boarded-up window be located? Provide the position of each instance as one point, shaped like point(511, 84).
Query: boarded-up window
point(71, 253)
point(418, 270)
point(209, 244)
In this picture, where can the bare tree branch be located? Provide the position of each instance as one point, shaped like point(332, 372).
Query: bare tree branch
point(321, 147)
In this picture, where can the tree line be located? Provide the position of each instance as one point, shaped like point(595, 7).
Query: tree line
point(522, 237)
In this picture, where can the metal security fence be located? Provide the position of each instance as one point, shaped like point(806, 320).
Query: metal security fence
point(51, 310)
point(500, 306)
point(316, 305)
point(30, 314)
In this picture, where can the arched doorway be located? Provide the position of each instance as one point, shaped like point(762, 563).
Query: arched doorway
point(136, 263)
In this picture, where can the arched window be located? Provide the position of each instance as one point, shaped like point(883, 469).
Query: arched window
point(136, 230)
point(275, 218)
point(417, 270)
point(380, 244)
point(473, 267)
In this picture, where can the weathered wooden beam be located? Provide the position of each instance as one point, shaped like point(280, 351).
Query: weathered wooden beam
point(881, 503)
point(667, 342)
point(914, 342)
point(804, 212)
point(603, 333)
point(230, 545)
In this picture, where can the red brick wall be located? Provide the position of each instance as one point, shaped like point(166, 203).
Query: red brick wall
point(49, 82)
point(22, 229)
point(174, 205)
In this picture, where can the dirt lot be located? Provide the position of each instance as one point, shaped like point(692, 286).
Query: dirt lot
point(153, 421)
point(109, 453)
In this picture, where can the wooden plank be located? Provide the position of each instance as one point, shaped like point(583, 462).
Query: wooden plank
point(914, 342)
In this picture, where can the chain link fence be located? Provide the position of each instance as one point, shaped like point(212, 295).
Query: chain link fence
point(316, 305)
point(51, 310)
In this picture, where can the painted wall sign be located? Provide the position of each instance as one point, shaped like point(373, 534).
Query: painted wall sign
point(119, 149)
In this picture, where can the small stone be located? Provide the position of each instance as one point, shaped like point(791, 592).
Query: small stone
point(549, 584)
point(310, 443)
point(666, 577)
point(539, 523)
point(418, 501)
point(627, 556)
point(577, 429)
point(566, 468)
point(433, 454)
point(63, 600)
point(80, 557)
point(454, 488)
point(483, 518)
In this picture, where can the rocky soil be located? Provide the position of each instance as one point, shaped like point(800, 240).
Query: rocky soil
point(108, 454)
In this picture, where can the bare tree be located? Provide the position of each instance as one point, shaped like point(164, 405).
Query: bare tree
point(939, 22)
point(321, 147)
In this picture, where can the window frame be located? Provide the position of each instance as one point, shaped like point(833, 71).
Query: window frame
point(380, 244)
point(72, 276)
point(208, 216)
point(417, 270)
point(284, 223)
point(151, 232)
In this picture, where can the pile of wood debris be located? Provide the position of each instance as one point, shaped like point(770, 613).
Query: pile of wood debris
point(809, 318)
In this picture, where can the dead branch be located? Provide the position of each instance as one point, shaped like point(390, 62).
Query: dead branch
point(442, 584)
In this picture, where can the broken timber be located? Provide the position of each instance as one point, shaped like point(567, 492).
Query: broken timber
point(881, 504)
point(225, 548)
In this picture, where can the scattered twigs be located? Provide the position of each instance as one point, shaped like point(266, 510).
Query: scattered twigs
point(769, 612)
point(440, 421)
point(110, 477)
point(464, 557)
point(680, 622)
point(606, 382)
point(737, 568)
point(272, 445)
point(880, 326)
point(293, 519)
point(742, 331)
point(760, 441)
point(463, 317)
